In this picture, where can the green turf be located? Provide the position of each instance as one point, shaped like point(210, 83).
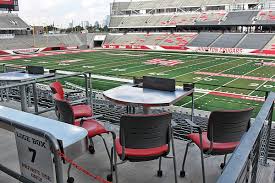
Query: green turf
point(127, 64)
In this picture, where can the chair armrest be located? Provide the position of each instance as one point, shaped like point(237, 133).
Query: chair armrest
point(80, 101)
point(193, 125)
point(82, 120)
point(92, 117)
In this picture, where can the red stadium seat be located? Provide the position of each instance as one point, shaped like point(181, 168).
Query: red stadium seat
point(224, 132)
point(93, 127)
point(145, 138)
point(80, 110)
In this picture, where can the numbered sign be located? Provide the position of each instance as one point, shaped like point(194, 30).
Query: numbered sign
point(35, 157)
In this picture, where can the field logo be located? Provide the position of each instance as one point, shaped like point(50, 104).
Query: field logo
point(163, 62)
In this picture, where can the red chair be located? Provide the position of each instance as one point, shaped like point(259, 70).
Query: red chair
point(144, 138)
point(224, 132)
point(80, 110)
point(94, 128)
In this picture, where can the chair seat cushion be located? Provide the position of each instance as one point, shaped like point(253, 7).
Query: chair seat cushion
point(93, 127)
point(217, 147)
point(82, 110)
point(158, 151)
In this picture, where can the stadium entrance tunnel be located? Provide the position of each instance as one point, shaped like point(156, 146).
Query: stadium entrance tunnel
point(98, 44)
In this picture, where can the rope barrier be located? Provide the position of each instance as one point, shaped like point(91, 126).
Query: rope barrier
point(83, 170)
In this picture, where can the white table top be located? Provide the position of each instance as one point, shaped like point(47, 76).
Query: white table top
point(69, 134)
point(130, 95)
point(21, 76)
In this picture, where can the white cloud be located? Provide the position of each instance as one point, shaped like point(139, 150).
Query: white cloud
point(61, 12)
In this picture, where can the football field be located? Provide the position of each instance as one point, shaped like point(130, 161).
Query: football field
point(222, 82)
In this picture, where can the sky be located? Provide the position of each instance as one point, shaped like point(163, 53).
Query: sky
point(61, 12)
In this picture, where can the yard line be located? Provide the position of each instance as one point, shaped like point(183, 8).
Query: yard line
point(185, 61)
point(185, 66)
point(127, 60)
point(221, 86)
point(169, 70)
point(226, 70)
point(213, 55)
point(102, 63)
point(260, 86)
point(204, 68)
point(151, 57)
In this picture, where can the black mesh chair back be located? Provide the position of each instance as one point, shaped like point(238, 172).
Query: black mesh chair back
point(145, 131)
point(65, 110)
point(228, 126)
point(35, 69)
point(163, 84)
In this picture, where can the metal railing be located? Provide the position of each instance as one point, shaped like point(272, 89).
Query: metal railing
point(243, 164)
point(34, 82)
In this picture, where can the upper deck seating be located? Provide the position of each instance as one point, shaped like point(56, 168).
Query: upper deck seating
point(12, 22)
point(240, 18)
point(210, 18)
point(115, 21)
point(265, 17)
point(178, 39)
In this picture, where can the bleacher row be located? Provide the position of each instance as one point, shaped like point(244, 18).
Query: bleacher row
point(157, 4)
point(41, 41)
point(204, 39)
point(258, 41)
point(12, 22)
point(195, 18)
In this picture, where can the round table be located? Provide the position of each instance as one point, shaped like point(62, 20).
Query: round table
point(136, 96)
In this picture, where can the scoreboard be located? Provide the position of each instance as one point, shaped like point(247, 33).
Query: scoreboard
point(6, 2)
point(9, 5)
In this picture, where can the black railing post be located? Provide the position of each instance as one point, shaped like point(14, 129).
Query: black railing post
point(193, 103)
point(268, 135)
point(266, 94)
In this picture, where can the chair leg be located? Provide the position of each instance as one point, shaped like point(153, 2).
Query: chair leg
point(70, 179)
point(106, 147)
point(174, 158)
point(224, 162)
point(182, 172)
point(159, 174)
point(110, 176)
point(113, 164)
point(202, 160)
point(115, 161)
point(91, 146)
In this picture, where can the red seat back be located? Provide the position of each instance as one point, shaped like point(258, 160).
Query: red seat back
point(57, 88)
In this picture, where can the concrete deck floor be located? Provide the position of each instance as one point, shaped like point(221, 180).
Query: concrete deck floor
point(98, 164)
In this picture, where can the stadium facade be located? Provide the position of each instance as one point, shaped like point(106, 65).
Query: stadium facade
point(215, 26)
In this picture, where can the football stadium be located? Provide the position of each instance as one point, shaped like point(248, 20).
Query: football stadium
point(188, 81)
